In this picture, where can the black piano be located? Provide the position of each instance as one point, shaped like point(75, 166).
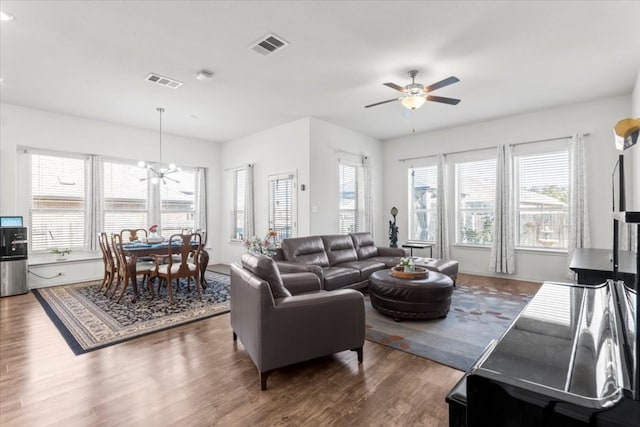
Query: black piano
point(571, 358)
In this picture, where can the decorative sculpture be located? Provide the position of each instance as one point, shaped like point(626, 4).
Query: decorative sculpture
point(393, 229)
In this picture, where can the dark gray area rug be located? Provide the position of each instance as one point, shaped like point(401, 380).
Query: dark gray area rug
point(477, 316)
point(88, 320)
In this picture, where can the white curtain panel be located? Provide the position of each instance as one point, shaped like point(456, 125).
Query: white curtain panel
point(94, 208)
point(579, 233)
point(200, 208)
point(249, 221)
point(503, 253)
point(628, 237)
point(442, 229)
point(368, 195)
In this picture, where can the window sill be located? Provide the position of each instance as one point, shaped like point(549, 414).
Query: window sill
point(47, 259)
point(470, 246)
point(538, 251)
point(550, 251)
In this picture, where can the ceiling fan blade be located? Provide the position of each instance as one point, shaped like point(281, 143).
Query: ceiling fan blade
point(394, 86)
point(442, 83)
point(383, 102)
point(443, 99)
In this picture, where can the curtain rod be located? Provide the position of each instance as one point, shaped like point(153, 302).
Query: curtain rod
point(235, 168)
point(488, 148)
point(349, 152)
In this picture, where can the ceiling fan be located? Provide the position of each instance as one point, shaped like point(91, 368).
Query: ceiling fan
point(415, 94)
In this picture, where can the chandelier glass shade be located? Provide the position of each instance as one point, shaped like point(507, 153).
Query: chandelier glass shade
point(157, 175)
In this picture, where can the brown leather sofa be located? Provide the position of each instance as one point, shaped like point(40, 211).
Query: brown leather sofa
point(282, 319)
point(340, 261)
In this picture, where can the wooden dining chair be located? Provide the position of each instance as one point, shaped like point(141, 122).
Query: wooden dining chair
point(110, 270)
point(144, 269)
point(186, 248)
point(136, 234)
point(133, 234)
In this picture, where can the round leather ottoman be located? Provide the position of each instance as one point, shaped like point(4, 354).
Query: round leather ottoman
point(427, 298)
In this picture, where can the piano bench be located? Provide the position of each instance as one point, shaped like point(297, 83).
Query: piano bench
point(457, 400)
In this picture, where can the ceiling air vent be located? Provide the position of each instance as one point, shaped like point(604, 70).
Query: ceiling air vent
point(269, 44)
point(163, 81)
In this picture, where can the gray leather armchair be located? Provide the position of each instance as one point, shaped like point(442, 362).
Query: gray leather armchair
point(280, 327)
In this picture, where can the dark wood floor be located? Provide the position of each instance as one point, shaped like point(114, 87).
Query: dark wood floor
point(195, 375)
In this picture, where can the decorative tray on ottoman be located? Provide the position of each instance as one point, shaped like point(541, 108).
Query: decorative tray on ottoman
point(419, 273)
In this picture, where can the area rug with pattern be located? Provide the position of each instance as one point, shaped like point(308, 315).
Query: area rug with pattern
point(89, 320)
point(477, 316)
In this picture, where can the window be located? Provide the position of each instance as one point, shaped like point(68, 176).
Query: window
point(542, 199)
point(125, 196)
point(177, 202)
point(423, 203)
point(348, 204)
point(57, 208)
point(281, 205)
point(475, 196)
point(237, 215)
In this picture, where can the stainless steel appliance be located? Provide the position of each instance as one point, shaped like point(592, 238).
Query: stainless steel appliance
point(13, 260)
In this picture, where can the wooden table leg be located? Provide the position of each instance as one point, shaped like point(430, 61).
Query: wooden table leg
point(204, 262)
point(133, 259)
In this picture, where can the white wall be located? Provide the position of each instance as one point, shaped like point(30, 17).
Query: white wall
point(596, 117)
point(281, 149)
point(329, 143)
point(20, 126)
point(306, 146)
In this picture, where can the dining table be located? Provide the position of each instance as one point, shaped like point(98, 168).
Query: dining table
point(137, 250)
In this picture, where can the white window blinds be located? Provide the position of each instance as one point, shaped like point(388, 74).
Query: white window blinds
point(543, 196)
point(237, 215)
point(125, 197)
point(423, 203)
point(177, 202)
point(348, 198)
point(475, 195)
point(281, 204)
point(57, 211)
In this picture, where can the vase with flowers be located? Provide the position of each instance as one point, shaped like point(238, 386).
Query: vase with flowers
point(154, 236)
point(265, 246)
point(407, 264)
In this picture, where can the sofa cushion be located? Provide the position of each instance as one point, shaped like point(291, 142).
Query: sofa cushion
point(364, 245)
point(266, 269)
point(339, 277)
point(388, 261)
point(339, 249)
point(305, 250)
point(366, 267)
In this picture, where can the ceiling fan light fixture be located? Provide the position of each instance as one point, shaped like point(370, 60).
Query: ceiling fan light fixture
point(413, 102)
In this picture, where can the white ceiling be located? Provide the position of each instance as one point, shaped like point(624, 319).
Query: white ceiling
point(90, 59)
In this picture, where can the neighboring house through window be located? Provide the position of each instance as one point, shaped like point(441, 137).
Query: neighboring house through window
point(177, 202)
point(542, 199)
point(125, 196)
point(422, 203)
point(57, 205)
point(59, 197)
point(475, 198)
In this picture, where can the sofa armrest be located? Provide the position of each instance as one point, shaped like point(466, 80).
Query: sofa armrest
point(296, 267)
point(384, 251)
point(299, 283)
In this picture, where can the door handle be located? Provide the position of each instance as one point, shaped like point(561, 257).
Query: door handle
point(19, 242)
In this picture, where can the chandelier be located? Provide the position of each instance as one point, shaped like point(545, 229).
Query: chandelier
point(159, 175)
